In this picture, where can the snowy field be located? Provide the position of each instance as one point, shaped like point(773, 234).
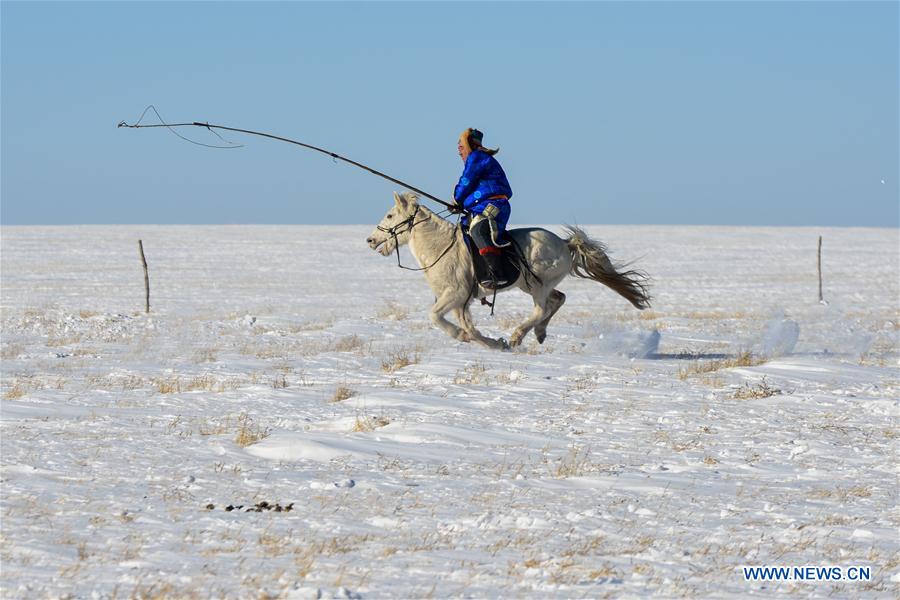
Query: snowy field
point(291, 375)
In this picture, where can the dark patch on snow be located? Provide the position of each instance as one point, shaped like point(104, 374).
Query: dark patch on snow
point(258, 507)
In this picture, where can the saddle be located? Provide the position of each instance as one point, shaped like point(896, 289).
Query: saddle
point(511, 259)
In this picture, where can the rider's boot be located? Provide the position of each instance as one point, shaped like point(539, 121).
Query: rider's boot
point(495, 278)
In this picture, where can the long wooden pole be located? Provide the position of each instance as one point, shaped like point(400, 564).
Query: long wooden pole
point(146, 276)
point(333, 155)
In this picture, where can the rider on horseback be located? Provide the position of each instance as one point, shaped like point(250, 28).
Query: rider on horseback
point(484, 192)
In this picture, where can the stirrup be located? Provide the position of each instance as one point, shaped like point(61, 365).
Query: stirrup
point(493, 284)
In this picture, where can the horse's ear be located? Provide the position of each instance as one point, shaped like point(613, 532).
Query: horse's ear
point(398, 200)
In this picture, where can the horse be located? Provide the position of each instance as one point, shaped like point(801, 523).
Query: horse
point(441, 251)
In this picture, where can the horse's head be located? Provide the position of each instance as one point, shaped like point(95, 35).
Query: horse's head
point(395, 226)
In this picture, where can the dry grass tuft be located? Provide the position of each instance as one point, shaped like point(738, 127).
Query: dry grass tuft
point(837, 520)
point(505, 377)
point(366, 423)
point(213, 427)
point(132, 382)
point(26, 385)
point(677, 444)
point(249, 432)
point(205, 382)
point(583, 383)
point(759, 390)
point(473, 374)
point(347, 344)
point(11, 351)
point(589, 546)
point(342, 393)
point(168, 386)
point(310, 326)
point(744, 359)
point(398, 360)
point(15, 392)
point(843, 494)
point(574, 464)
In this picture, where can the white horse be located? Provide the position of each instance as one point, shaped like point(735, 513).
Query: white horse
point(441, 252)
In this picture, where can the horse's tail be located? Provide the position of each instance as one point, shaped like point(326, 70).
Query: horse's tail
point(589, 260)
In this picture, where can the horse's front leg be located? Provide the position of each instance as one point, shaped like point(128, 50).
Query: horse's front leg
point(447, 301)
point(465, 319)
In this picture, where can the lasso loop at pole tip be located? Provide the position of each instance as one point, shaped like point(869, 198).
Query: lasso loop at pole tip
point(171, 126)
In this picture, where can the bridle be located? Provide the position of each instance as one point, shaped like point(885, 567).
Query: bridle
point(409, 223)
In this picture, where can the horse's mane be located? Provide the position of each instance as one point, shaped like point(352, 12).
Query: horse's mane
point(435, 217)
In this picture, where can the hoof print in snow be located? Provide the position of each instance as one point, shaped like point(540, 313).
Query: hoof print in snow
point(211, 507)
point(347, 483)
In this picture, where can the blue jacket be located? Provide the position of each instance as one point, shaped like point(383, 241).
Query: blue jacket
point(482, 178)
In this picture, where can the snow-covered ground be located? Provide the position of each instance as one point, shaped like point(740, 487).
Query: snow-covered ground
point(294, 367)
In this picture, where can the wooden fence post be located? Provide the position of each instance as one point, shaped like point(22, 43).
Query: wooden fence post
point(147, 277)
point(821, 299)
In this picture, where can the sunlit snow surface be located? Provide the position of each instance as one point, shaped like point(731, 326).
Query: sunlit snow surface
point(634, 453)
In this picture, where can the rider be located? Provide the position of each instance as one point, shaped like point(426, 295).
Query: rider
point(484, 192)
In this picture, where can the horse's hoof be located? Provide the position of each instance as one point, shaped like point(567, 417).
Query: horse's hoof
point(504, 345)
point(540, 336)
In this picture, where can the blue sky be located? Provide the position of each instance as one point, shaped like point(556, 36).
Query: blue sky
point(757, 113)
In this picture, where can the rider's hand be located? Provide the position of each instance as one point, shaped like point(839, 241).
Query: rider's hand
point(456, 208)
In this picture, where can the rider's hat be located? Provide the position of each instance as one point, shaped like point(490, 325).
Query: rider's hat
point(472, 138)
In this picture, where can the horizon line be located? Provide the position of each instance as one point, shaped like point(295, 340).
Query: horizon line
point(521, 225)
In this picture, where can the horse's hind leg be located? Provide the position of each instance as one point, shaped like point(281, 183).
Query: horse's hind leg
point(554, 303)
point(541, 311)
point(464, 317)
